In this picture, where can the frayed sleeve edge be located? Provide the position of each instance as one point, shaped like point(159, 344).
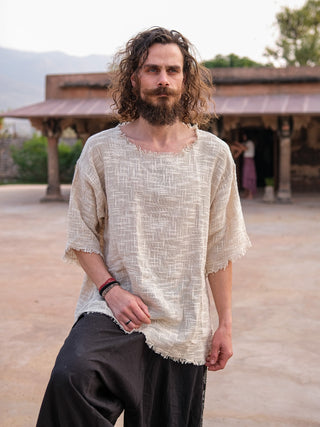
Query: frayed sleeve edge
point(70, 257)
point(223, 264)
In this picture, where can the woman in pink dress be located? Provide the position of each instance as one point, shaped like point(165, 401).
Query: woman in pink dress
point(249, 176)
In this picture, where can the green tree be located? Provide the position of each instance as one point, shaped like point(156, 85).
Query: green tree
point(68, 156)
point(32, 159)
point(231, 60)
point(299, 40)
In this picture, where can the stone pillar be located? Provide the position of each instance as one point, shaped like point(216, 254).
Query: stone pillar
point(52, 130)
point(284, 190)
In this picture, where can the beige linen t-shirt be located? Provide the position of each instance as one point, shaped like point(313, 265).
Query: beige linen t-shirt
point(162, 222)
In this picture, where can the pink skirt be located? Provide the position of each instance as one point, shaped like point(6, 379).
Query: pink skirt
point(249, 176)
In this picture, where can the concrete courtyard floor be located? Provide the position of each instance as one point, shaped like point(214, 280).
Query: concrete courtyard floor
point(273, 378)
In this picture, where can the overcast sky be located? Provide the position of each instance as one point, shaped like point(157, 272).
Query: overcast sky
point(244, 27)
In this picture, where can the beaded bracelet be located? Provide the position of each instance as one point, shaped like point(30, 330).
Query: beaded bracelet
point(107, 284)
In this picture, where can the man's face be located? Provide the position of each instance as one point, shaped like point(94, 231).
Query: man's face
point(159, 84)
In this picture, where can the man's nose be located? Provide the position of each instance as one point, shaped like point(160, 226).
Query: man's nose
point(163, 79)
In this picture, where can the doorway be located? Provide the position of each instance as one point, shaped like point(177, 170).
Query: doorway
point(266, 154)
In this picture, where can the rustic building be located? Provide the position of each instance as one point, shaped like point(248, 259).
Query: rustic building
point(279, 108)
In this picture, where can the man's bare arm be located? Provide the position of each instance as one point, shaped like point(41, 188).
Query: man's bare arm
point(124, 305)
point(221, 347)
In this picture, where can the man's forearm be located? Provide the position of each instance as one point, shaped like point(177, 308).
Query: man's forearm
point(221, 347)
point(221, 288)
point(94, 266)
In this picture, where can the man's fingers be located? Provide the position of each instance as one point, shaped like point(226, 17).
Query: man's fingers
point(135, 315)
point(138, 312)
point(214, 355)
point(138, 316)
point(143, 306)
point(129, 326)
point(126, 306)
point(215, 367)
point(218, 362)
point(132, 320)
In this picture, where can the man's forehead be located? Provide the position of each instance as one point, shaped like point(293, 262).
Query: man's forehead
point(164, 54)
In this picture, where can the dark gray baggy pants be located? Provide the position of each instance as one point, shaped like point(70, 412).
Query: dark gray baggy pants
point(102, 371)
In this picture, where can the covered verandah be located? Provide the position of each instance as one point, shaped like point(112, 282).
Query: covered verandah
point(87, 116)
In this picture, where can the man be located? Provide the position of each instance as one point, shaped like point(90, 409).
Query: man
point(154, 212)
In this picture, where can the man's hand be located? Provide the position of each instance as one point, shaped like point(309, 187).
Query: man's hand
point(128, 309)
point(126, 306)
point(221, 349)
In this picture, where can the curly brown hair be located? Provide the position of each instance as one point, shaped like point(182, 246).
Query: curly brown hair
point(198, 86)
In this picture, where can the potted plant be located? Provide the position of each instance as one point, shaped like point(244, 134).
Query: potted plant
point(269, 190)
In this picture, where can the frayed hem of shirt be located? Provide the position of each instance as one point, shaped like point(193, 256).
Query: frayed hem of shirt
point(151, 345)
point(177, 359)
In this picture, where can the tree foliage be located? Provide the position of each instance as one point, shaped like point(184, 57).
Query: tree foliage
point(32, 159)
point(299, 40)
point(68, 156)
point(231, 60)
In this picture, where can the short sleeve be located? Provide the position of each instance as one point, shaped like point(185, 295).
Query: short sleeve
point(87, 208)
point(227, 237)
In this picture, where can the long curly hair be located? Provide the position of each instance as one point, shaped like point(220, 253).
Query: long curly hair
point(198, 87)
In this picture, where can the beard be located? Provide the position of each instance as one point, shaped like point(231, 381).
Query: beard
point(162, 113)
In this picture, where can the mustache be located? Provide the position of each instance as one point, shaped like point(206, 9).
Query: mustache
point(162, 90)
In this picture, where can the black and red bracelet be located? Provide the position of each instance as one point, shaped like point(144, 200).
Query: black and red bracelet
point(107, 285)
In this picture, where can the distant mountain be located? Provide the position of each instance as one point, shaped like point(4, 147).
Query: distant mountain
point(22, 74)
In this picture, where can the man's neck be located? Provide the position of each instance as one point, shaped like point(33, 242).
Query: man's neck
point(159, 138)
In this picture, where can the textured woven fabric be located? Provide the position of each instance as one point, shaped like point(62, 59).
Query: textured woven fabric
point(162, 222)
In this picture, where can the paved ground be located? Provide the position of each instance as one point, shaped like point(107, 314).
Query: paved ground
point(274, 376)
